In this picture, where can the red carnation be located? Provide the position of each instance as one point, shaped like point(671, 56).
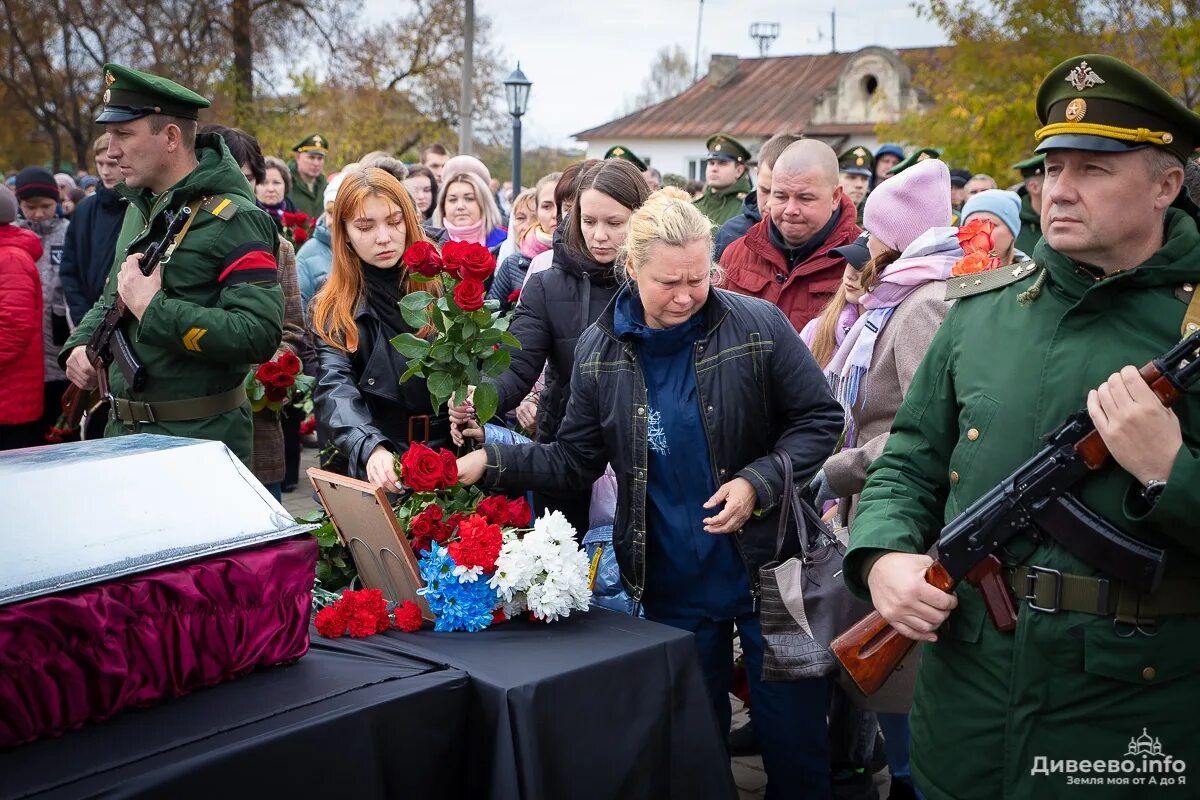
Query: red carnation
point(494, 508)
point(468, 295)
point(449, 468)
point(499, 616)
point(408, 616)
point(423, 259)
point(421, 468)
point(330, 622)
point(514, 296)
point(366, 612)
point(478, 545)
point(519, 513)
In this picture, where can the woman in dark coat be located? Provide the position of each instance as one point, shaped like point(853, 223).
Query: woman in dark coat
point(558, 304)
point(687, 391)
point(361, 406)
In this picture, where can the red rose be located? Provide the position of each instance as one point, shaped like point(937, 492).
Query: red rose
point(476, 262)
point(435, 512)
point(468, 295)
point(288, 362)
point(452, 256)
point(423, 259)
point(455, 520)
point(494, 508)
point(421, 526)
point(299, 235)
point(420, 544)
point(267, 372)
point(421, 468)
point(275, 394)
point(519, 512)
point(514, 296)
point(449, 468)
point(408, 616)
point(442, 533)
point(289, 218)
point(283, 381)
point(308, 425)
point(976, 236)
point(330, 623)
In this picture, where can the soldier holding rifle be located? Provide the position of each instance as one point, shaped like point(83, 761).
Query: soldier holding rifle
point(212, 307)
point(1094, 662)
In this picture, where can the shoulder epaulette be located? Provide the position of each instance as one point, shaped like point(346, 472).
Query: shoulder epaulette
point(220, 206)
point(978, 282)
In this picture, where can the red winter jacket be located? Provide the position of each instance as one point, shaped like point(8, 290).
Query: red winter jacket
point(20, 326)
point(755, 267)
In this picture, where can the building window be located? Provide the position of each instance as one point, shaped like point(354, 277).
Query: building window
point(870, 84)
point(697, 169)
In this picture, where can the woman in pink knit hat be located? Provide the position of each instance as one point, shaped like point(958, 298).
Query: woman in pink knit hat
point(913, 249)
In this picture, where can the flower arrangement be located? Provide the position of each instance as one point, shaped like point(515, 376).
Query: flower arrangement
point(469, 329)
point(364, 613)
point(297, 226)
point(278, 382)
point(976, 240)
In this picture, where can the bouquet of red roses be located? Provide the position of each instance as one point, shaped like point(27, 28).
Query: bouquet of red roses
point(277, 382)
point(470, 330)
point(297, 227)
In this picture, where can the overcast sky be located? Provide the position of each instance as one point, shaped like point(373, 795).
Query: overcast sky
point(587, 58)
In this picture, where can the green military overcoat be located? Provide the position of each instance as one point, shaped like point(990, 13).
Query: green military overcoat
point(310, 201)
point(993, 713)
point(220, 309)
point(1031, 225)
point(726, 204)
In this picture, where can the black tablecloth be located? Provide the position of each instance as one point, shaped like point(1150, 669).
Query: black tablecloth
point(598, 705)
point(352, 719)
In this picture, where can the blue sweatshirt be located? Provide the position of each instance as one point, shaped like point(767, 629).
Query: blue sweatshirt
point(689, 573)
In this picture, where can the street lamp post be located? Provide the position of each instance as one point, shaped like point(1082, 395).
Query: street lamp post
point(516, 91)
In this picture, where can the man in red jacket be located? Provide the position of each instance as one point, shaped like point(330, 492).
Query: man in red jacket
point(20, 330)
point(786, 259)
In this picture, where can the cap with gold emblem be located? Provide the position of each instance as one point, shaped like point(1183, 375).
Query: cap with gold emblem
point(857, 161)
point(625, 154)
point(1031, 167)
point(1100, 103)
point(724, 147)
point(130, 94)
point(316, 144)
point(916, 157)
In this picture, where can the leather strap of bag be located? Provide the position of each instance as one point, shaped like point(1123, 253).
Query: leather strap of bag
point(787, 503)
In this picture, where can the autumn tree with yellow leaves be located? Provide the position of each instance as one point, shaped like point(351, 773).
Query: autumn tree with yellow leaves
point(980, 92)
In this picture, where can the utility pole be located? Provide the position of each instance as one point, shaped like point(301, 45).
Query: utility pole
point(833, 31)
point(699, 23)
point(468, 75)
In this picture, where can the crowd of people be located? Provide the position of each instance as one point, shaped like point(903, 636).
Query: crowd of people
point(677, 343)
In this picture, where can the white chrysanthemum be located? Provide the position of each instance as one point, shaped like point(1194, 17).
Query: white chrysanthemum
point(468, 574)
point(545, 571)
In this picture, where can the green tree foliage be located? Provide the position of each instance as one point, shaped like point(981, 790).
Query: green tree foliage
point(981, 91)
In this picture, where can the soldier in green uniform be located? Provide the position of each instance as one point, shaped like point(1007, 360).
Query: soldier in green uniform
point(727, 177)
point(625, 154)
point(308, 176)
point(855, 168)
point(1093, 664)
point(915, 157)
point(213, 306)
point(1032, 174)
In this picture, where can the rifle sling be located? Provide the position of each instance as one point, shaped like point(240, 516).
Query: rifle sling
point(1051, 590)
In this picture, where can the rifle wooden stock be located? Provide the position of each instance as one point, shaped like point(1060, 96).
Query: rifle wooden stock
point(872, 649)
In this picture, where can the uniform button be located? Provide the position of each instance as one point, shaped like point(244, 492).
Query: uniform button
point(1149, 674)
point(1193, 327)
point(953, 477)
point(973, 434)
point(370, 381)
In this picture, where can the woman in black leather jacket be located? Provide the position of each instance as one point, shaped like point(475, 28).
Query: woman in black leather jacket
point(558, 304)
point(688, 391)
point(361, 406)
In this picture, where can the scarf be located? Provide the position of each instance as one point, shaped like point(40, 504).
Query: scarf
point(383, 296)
point(794, 256)
point(929, 258)
point(468, 233)
point(535, 241)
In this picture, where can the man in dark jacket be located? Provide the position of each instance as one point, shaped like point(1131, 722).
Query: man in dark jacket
point(1033, 173)
point(785, 259)
point(92, 238)
point(756, 202)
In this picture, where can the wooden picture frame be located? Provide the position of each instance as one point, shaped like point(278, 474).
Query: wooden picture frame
point(363, 518)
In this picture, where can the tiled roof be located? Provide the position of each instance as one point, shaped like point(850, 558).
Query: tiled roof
point(766, 96)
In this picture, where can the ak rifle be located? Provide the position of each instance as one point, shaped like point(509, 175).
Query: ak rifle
point(1037, 494)
point(108, 342)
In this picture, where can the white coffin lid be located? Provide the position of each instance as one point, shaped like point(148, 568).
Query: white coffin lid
point(87, 512)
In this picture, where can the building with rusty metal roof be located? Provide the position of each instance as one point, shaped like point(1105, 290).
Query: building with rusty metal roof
point(835, 97)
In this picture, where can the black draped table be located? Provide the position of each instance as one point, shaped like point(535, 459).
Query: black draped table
point(598, 705)
point(349, 720)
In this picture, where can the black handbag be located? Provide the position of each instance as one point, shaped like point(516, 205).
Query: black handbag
point(805, 602)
